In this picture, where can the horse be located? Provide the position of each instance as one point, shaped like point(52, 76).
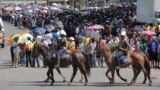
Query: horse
point(76, 58)
point(138, 60)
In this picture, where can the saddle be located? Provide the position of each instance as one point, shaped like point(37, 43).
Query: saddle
point(124, 59)
point(62, 53)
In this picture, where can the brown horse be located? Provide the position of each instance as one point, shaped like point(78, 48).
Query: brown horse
point(138, 60)
point(76, 58)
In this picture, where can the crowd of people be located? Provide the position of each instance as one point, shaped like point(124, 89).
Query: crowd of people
point(68, 25)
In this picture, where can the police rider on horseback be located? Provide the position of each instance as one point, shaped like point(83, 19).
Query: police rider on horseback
point(122, 52)
point(61, 47)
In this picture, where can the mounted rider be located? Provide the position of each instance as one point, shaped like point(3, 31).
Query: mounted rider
point(61, 47)
point(122, 51)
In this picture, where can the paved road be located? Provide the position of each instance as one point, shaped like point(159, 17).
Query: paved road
point(32, 78)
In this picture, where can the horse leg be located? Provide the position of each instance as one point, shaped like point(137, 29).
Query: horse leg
point(48, 76)
point(73, 75)
point(148, 75)
point(136, 73)
point(125, 80)
point(82, 70)
point(59, 71)
point(108, 70)
point(145, 79)
point(112, 73)
point(52, 77)
point(81, 80)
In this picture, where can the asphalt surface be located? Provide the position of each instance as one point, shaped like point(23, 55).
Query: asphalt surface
point(32, 78)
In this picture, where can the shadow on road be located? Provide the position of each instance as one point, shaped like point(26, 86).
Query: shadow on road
point(60, 83)
point(6, 64)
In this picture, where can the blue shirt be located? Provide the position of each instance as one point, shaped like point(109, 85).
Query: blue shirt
point(16, 48)
point(56, 36)
point(153, 46)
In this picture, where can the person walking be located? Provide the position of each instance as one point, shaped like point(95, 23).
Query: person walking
point(28, 51)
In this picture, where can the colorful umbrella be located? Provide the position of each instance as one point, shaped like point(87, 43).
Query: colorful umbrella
point(90, 33)
point(17, 8)
point(23, 38)
point(148, 32)
point(95, 27)
point(13, 38)
point(9, 8)
point(39, 30)
point(54, 9)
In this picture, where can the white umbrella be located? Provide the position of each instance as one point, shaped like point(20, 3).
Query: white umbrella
point(17, 8)
point(9, 8)
point(44, 11)
point(46, 8)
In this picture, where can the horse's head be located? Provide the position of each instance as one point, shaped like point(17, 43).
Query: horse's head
point(102, 47)
point(40, 49)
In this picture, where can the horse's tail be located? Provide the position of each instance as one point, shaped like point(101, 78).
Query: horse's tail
point(147, 64)
point(87, 65)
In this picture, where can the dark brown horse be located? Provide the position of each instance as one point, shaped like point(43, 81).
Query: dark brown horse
point(76, 58)
point(138, 60)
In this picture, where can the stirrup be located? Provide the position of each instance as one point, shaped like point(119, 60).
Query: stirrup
point(117, 67)
point(56, 66)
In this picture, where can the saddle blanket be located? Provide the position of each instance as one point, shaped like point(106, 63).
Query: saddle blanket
point(63, 56)
point(124, 59)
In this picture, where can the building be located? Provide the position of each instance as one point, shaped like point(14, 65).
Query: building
point(58, 1)
point(148, 11)
point(21, 1)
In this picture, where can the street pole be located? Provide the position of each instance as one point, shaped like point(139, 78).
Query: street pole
point(35, 1)
point(47, 2)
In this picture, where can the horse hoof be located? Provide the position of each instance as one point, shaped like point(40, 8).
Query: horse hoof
point(144, 83)
point(69, 84)
point(46, 81)
point(51, 84)
point(125, 80)
point(129, 84)
point(64, 81)
point(85, 84)
point(149, 84)
point(80, 81)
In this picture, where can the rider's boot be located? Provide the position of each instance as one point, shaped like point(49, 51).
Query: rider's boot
point(117, 63)
point(58, 62)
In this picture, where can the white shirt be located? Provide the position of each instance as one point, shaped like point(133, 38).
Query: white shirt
point(45, 43)
point(39, 38)
point(48, 38)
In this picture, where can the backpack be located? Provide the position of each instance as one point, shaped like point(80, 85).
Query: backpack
point(28, 47)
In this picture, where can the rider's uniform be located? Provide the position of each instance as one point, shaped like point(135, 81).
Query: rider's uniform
point(122, 52)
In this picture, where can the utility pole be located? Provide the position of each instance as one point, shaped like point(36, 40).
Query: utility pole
point(47, 2)
point(35, 1)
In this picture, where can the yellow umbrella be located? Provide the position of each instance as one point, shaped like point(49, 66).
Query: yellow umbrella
point(11, 38)
point(23, 38)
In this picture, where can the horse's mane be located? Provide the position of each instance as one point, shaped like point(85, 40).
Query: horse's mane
point(45, 48)
point(104, 45)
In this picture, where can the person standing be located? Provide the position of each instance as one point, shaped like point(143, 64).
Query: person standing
point(16, 51)
point(143, 46)
point(152, 52)
point(27, 49)
point(90, 52)
point(10, 42)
